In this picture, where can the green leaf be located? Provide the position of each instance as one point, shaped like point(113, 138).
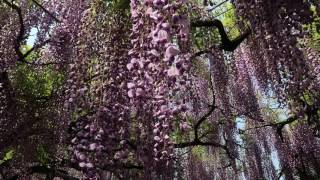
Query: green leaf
point(8, 156)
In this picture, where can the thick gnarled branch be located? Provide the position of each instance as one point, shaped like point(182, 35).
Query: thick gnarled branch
point(22, 30)
point(21, 33)
point(226, 43)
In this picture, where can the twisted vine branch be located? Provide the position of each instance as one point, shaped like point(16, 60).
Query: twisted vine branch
point(226, 43)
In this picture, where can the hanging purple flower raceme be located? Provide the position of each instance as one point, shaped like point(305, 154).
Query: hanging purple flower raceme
point(110, 91)
point(67, 47)
point(313, 62)
point(6, 106)
point(7, 42)
point(277, 25)
point(243, 90)
point(65, 34)
point(97, 95)
point(220, 79)
point(299, 151)
point(157, 65)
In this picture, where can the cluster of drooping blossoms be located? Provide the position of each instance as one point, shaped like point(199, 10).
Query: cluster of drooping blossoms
point(313, 61)
point(223, 97)
point(97, 96)
point(64, 34)
point(275, 41)
point(157, 66)
point(109, 91)
point(97, 93)
point(220, 79)
point(235, 96)
point(9, 24)
point(113, 113)
point(5, 107)
point(67, 48)
point(243, 90)
point(299, 152)
point(305, 145)
point(258, 156)
point(277, 58)
point(222, 84)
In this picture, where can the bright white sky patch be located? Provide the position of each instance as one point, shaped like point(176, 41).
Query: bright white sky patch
point(32, 36)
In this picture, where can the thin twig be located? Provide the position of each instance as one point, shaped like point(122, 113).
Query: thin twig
point(218, 5)
point(46, 11)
